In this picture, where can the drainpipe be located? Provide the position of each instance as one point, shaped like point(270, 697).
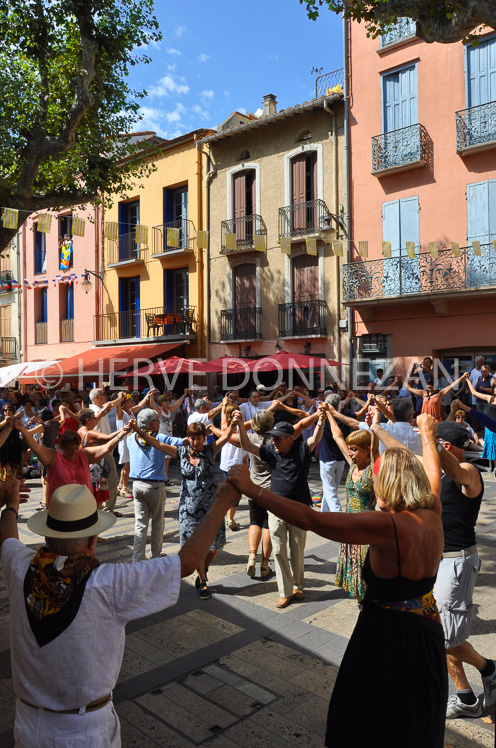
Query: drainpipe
point(336, 213)
point(208, 178)
point(346, 67)
point(20, 296)
point(24, 297)
point(201, 292)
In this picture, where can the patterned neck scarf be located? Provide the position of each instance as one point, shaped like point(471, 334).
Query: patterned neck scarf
point(53, 591)
point(142, 442)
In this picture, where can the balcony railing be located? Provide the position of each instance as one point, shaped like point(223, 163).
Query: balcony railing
point(303, 318)
point(404, 28)
point(40, 333)
point(405, 148)
point(6, 276)
point(476, 127)
point(328, 83)
point(241, 324)
point(8, 347)
point(302, 219)
point(125, 249)
point(157, 322)
point(66, 330)
point(174, 236)
point(405, 276)
point(239, 233)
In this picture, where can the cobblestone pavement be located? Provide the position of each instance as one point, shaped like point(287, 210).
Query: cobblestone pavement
point(234, 670)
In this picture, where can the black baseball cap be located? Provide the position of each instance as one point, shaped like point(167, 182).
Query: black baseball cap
point(283, 428)
point(454, 433)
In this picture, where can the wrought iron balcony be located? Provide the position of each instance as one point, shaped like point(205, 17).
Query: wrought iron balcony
point(302, 219)
point(174, 236)
point(241, 324)
point(6, 276)
point(404, 28)
point(157, 322)
point(329, 83)
point(476, 127)
point(303, 318)
point(41, 332)
point(8, 348)
point(239, 233)
point(405, 148)
point(126, 250)
point(66, 330)
point(424, 274)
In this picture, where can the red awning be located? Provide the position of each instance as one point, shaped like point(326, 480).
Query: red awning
point(279, 361)
point(172, 365)
point(97, 363)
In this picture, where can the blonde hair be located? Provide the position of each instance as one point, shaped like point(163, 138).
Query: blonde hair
point(230, 409)
point(262, 421)
point(360, 438)
point(402, 482)
point(460, 414)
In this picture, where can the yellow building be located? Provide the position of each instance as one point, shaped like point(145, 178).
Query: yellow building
point(153, 268)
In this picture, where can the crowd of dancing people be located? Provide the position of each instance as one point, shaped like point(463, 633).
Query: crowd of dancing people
point(413, 449)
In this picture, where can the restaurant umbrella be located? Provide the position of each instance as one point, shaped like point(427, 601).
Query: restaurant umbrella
point(227, 364)
point(172, 365)
point(286, 360)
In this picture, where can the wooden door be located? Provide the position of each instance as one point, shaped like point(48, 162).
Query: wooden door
point(305, 291)
point(245, 299)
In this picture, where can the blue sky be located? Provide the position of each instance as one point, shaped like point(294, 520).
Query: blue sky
point(218, 56)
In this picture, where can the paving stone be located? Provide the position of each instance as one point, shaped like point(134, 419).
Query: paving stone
point(202, 682)
point(235, 699)
point(249, 733)
point(314, 683)
point(277, 665)
point(287, 729)
point(256, 692)
point(223, 674)
point(136, 722)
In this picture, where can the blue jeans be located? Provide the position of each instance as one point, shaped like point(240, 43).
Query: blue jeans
point(330, 475)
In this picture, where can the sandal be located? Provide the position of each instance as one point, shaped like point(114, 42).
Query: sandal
point(265, 570)
point(250, 566)
point(203, 590)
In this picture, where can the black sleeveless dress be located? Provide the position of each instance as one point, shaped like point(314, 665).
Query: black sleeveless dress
point(392, 685)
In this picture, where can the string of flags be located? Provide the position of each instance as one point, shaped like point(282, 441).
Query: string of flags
point(412, 249)
point(13, 285)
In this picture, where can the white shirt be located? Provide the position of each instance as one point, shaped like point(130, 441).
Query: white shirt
point(199, 418)
point(404, 433)
point(122, 446)
point(474, 378)
point(231, 455)
point(83, 663)
point(248, 410)
point(103, 425)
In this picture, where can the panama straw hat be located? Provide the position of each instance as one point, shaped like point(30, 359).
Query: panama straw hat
point(72, 514)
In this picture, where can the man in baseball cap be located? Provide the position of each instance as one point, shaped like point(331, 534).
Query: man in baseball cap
point(69, 613)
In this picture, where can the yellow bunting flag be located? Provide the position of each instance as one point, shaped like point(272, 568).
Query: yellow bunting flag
point(311, 245)
point(202, 239)
point(173, 238)
point(337, 247)
point(455, 248)
point(434, 249)
point(386, 249)
point(285, 243)
point(231, 241)
point(477, 248)
point(78, 226)
point(363, 249)
point(494, 244)
point(44, 224)
point(141, 234)
point(410, 249)
point(260, 242)
point(10, 218)
point(111, 230)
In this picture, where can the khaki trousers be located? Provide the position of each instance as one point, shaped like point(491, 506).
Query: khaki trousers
point(287, 577)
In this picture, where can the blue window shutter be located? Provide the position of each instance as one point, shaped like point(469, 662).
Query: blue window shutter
point(481, 63)
point(391, 224)
point(168, 205)
point(492, 209)
point(123, 296)
point(478, 212)
point(44, 294)
point(70, 301)
point(400, 104)
point(409, 222)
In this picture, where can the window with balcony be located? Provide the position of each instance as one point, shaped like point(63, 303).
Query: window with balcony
point(481, 227)
point(129, 308)
point(244, 205)
point(66, 253)
point(476, 125)
point(400, 224)
point(305, 314)
point(176, 228)
point(242, 321)
point(129, 218)
point(41, 310)
point(39, 252)
point(403, 141)
point(66, 312)
point(404, 28)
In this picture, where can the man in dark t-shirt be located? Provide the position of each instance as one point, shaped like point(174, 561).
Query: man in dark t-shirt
point(289, 463)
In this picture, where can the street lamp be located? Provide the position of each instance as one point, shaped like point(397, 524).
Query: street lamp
point(86, 284)
point(327, 232)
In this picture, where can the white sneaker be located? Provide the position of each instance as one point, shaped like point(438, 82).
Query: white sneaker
point(489, 684)
point(456, 708)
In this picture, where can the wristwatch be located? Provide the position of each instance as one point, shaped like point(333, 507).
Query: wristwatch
point(9, 509)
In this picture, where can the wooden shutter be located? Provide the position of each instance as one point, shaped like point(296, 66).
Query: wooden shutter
point(245, 286)
point(5, 321)
point(5, 262)
point(299, 191)
point(239, 183)
point(305, 277)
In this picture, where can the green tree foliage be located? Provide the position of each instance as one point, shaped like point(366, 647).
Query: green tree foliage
point(444, 21)
point(66, 100)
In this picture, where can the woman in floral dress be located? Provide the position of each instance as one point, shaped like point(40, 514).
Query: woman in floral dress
point(360, 497)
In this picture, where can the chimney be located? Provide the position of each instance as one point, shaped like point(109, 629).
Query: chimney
point(269, 105)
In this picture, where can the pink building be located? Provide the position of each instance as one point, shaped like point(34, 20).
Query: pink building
point(422, 129)
point(57, 313)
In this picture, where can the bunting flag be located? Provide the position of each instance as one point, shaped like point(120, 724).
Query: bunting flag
point(455, 248)
point(231, 241)
point(74, 277)
point(202, 239)
point(410, 249)
point(10, 218)
point(337, 247)
point(434, 249)
point(363, 249)
point(27, 284)
point(285, 243)
point(44, 225)
point(78, 226)
point(260, 242)
point(494, 244)
point(141, 236)
point(386, 249)
point(111, 230)
point(477, 248)
point(311, 246)
point(173, 238)
point(15, 284)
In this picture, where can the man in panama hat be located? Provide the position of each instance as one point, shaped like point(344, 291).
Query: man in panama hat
point(69, 613)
